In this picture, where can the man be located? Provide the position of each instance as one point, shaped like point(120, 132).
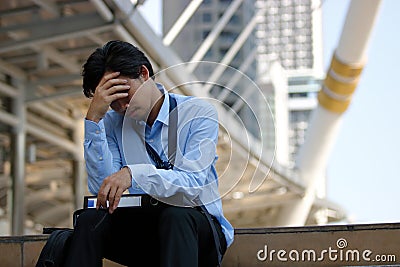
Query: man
point(120, 76)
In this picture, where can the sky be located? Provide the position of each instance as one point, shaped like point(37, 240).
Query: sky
point(363, 170)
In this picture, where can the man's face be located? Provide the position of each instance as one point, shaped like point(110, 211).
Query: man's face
point(137, 103)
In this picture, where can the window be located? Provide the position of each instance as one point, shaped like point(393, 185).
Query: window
point(235, 20)
point(223, 51)
point(207, 17)
point(228, 36)
point(209, 55)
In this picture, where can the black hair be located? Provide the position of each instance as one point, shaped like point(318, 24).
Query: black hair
point(113, 56)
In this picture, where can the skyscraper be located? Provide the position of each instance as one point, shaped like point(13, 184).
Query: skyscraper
point(232, 46)
point(287, 33)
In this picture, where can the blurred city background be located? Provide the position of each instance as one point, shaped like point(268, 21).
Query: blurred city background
point(274, 56)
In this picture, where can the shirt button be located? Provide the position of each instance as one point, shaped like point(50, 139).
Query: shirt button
point(137, 186)
point(100, 158)
point(97, 131)
point(151, 140)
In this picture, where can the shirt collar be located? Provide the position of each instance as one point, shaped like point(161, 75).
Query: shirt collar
point(163, 115)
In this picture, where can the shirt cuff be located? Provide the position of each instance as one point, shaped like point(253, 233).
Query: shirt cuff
point(140, 174)
point(94, 130)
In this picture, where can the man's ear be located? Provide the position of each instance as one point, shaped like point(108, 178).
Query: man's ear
point(144, 73)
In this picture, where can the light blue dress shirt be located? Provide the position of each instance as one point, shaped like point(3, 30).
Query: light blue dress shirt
point(117, 141)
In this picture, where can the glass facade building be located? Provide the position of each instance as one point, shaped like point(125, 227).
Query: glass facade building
point(287, 32)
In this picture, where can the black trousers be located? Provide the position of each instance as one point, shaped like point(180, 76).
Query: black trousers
point(166, 237)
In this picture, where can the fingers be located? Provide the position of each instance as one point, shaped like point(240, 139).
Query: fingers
point(112, 189)
point(102, 196)
point(108, 77)
point(114, 196)
point(111, 197)
point(117, 198)
point(110, 81)
point(117, 91)
point(112, 87)
point(109, 89)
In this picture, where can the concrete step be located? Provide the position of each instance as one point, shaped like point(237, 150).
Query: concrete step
point(23, 251)
point(17, 251)
point(338, 245)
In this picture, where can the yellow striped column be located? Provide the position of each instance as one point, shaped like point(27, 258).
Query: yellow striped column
point(339, 85)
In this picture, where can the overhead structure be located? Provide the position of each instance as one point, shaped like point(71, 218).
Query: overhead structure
point(43, 45)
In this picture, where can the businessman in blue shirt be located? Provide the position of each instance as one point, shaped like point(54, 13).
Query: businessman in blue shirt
point(177, 234)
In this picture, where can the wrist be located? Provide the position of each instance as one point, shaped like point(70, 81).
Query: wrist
point(93, 117)
point(96, 112)
point(129, 170)
point(130, 175)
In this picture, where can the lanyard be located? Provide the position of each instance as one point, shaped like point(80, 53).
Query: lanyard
point(172, 139)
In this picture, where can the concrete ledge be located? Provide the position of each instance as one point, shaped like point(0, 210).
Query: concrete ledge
point(23, 251)
point(17, 251)
point(338, 245)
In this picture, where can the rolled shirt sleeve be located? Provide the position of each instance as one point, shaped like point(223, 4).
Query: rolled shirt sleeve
point(101, 153)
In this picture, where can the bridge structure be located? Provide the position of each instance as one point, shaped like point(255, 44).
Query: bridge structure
point(43, 45)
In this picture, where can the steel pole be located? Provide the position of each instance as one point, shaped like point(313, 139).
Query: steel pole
point(79, 170)
point(18, 163)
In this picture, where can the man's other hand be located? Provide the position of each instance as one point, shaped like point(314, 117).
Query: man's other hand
point(112, 189)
